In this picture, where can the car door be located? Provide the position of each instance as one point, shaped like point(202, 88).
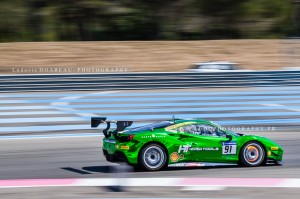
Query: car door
point(188, 141)
point(209, 144)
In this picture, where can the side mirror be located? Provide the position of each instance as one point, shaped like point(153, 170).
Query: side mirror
point(229, 137)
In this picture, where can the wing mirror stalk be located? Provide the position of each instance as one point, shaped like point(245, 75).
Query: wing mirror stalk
point(229, 137)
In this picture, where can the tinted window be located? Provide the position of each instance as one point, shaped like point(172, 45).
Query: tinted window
point(151, 126)
point(204, 130)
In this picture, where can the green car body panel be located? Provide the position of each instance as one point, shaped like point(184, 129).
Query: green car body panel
point(187, 147)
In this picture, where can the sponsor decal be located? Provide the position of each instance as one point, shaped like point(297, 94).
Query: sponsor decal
point(228, 148)
point(125, 147)
point(194, 164)
point(146, 136)
point(181, 157)
point(274, 148)
point(199, 164)
point(269, 153)
point(174, 157)
point(178, 165)
point(153, 136)
point(204, 149)
point(188, 164)
point(186, 148)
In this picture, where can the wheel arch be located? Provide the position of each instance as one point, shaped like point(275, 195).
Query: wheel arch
point(256, 141)
point(154, 142)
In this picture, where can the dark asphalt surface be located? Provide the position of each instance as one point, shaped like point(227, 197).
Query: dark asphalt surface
point(81, 157)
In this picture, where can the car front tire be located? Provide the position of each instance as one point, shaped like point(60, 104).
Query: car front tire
point(252, 154)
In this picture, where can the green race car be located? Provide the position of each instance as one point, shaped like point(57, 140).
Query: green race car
point(184, 143)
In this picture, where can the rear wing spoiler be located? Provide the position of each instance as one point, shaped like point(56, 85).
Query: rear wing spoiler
point(121, 125)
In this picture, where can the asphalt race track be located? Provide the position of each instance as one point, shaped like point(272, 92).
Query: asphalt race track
point(48, 135)
point(81, 157)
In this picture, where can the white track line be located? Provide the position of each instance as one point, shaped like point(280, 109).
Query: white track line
point(280, 105)
point(62, 102)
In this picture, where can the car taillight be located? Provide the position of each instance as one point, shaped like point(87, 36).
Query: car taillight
point(130, 137)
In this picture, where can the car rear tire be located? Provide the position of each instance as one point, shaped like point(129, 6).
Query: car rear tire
point(153, 157)
point(252, 154)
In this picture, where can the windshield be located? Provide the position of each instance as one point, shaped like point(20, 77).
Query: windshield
point(234, 133)
point(151, 126)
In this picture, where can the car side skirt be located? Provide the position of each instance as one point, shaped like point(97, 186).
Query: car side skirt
point(200, 164)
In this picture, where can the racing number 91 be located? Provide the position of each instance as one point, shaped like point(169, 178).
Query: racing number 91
point(229, 148)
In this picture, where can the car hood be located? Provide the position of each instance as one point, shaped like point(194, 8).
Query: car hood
point(266, 141)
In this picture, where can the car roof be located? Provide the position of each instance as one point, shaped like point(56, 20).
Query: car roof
point(171, 123)
point(178, 121)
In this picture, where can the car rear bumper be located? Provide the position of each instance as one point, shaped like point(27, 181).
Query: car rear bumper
point(118, 156)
